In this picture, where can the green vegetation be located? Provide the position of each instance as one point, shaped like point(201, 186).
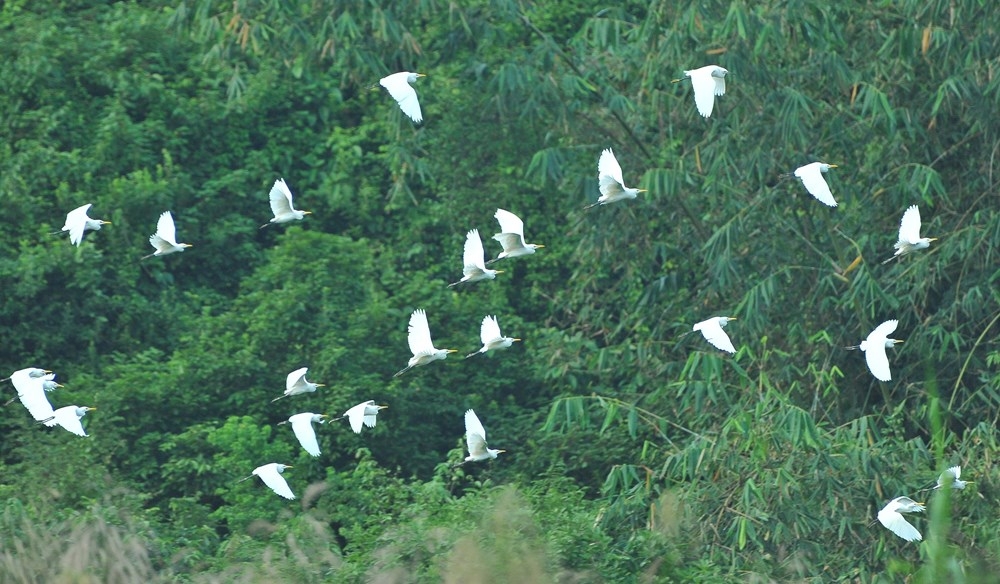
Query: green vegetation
point(635, 454)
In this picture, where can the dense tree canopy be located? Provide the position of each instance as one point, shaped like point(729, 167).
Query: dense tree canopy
point(635, 452)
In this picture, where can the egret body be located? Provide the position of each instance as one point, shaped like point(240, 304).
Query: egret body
point(492, 338)
point(164, 241)
point(610, 181)
point(419, 339)
point(398, 86)
point(281, 205)
point(711, 329)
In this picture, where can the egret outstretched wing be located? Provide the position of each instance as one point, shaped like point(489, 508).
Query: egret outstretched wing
point(363, 414)
point(76, 223)
point(510, 223)
point(811, 176)
point(302, 427)
point(281, 198)
point(909, 226)
point(271, 475)
point(874, 348)
point(609, 175)
point(475, 435)
point(893, 520)
point(473, 257)
point(296, 380)
point(711, 329)
point(398, 86)
point(707, 82)
point(419, 334)
point(166, 230)
point(31, 393)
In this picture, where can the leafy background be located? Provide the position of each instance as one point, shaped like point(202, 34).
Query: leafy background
point(635, 453)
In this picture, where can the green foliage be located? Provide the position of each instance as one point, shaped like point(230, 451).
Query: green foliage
point(635, 452)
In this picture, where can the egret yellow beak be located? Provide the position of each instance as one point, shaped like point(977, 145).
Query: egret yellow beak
point(307, 212)
point(643, 191)
point(383, 407)
point(452, 350)
point(186, 245)
point(499, 451)
point(320, 385)
point(421, 75)
point(105, 223)
point(499, 271)
point(932, 239)
point(539, 245)
point(832, 165)
point(895, 341)
point(731, 317)
point(515, 340)
point(91, 408)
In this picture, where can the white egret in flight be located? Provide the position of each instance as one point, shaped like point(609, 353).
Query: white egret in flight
point(296, 383)
point(419, 339)
point(281, 205)
point(874, 347)
point(302, 426)
point(473, 260)
point(610, 181)
point(475, 439)
point(511, 236)
point(398, 86)
point(954, 472)
point(711, 329)
point(31, 391)
point(69, 418)
point(707, 82)
point(363, 414)
point(164, 241)
point(909, 234)
point(490, 335)
point(77, 222)
point(811, 176)
point(891, 518)
point(271, 475)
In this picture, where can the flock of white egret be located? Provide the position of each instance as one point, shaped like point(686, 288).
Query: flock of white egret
point(707, 82)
